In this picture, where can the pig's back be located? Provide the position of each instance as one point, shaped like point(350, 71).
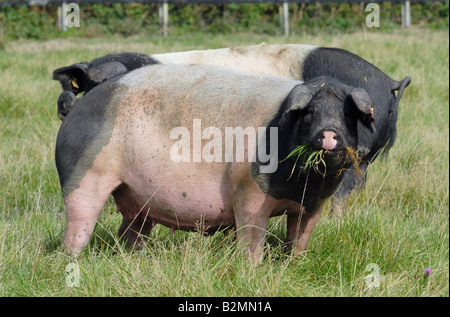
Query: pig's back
point(218, 96)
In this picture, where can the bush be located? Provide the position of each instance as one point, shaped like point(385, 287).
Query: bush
point(40, 22)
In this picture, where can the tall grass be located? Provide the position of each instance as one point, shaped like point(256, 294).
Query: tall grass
point(399, 222)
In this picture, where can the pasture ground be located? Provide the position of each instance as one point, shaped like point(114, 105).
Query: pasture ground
point(392, 231)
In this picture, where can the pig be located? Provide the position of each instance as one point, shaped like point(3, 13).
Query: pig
point(137, 140)
point(83, 76)
point(304, 62)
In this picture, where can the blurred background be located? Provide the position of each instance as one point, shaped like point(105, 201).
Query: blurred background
point(41, 19)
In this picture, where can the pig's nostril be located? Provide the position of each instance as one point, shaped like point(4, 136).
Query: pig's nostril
point(329, 135)
point(330, 140)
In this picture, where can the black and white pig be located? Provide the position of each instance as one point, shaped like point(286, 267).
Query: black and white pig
point(83, 76)
point(198, 146)
point(304, 62)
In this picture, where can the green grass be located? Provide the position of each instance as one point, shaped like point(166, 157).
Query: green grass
point(399, 222)
point(311, 159)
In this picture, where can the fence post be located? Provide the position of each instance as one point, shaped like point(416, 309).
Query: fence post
point(163, 13)
point(286, 18)
point(406, 14)
point(62, 16)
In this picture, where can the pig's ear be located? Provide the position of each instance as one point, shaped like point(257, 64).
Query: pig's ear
point(72, 78)
point(364, 107)
point(299, 98)
point(106, 71)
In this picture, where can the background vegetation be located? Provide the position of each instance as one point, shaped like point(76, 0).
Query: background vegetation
point(40, 22)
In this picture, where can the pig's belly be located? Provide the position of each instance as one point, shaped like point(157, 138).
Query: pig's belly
point(179, 199)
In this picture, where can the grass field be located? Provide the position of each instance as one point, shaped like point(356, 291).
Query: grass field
point(397, 226)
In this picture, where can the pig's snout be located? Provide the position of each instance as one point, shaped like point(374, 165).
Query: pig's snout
point(328, 139)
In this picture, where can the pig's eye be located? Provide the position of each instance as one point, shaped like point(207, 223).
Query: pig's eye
point(350, 118)
point(308, 115)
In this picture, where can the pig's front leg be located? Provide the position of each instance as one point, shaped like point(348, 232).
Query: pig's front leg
point(251, 211)
point(300, 225)
point(251, 234)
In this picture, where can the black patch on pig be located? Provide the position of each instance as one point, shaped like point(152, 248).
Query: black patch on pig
point(308, 188)
point(87, 75)
point(65, 102)
point(384, 92)
point(354, 71)
point(83, 134)
point(184, 194)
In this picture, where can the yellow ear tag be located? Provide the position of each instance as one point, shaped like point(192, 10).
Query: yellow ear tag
point(371, 109)
point(74, 83)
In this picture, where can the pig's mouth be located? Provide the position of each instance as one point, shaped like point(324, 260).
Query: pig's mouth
point(332, 153)
point(335, 156)
point(306, 158)
point(334, 159)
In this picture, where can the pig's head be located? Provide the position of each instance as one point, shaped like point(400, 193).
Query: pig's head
point(323, 113)
point(84, 76)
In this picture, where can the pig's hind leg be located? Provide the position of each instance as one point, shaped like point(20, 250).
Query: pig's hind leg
point(83, 206)
point(135, 224)
point(133, 231)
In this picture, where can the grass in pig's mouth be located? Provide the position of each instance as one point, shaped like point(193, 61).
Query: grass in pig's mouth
point(313, 159)
point(353, 154)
